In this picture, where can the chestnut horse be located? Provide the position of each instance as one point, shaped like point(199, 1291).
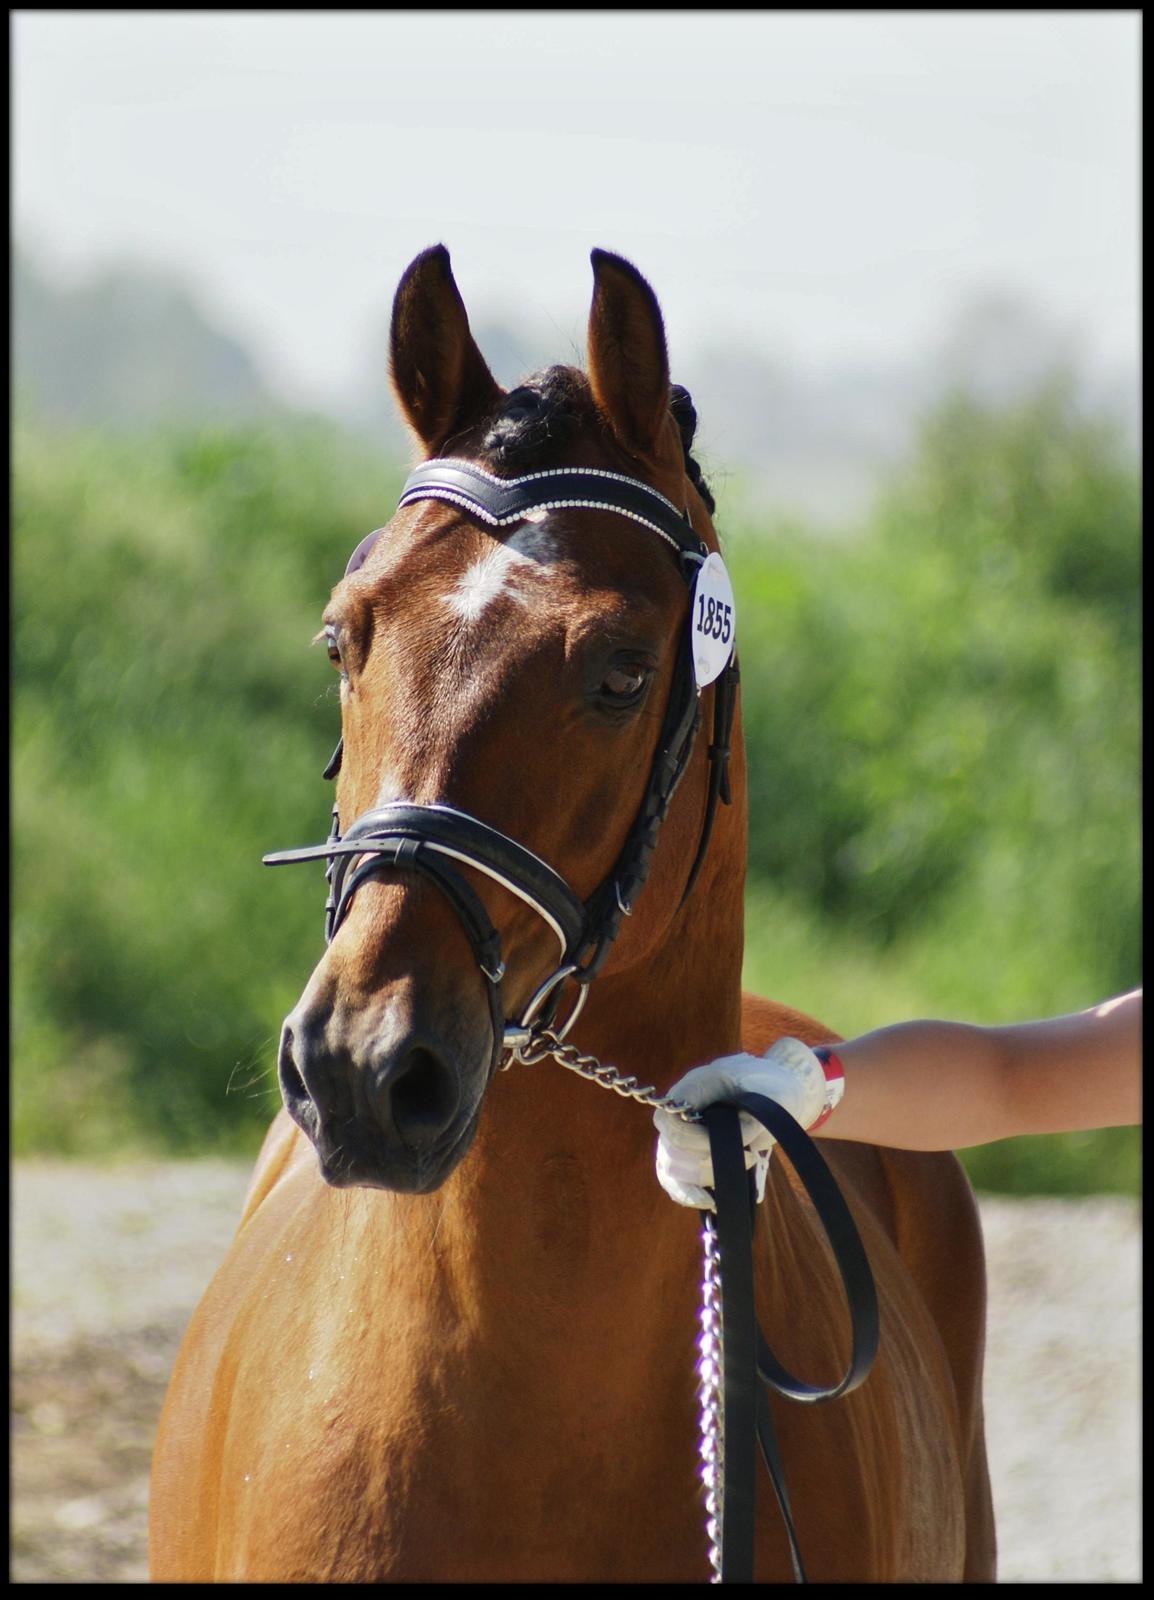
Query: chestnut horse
point(454, 1338)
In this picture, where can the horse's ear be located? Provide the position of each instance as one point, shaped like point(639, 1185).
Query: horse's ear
point(439, 376)
point(628, 364)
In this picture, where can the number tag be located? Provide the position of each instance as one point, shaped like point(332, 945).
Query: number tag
point(711, 621)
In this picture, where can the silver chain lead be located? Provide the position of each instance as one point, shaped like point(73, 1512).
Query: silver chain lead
point(540, 1047)
point(544, 1044)
point(709, 1371)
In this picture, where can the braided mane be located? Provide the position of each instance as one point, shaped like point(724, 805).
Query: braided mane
point(685, 416)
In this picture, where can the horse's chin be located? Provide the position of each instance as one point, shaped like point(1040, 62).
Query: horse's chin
point(364, 1159)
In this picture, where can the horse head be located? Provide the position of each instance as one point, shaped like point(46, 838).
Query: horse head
point(518, 705)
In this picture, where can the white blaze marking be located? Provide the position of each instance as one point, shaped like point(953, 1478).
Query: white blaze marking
point(485, 580)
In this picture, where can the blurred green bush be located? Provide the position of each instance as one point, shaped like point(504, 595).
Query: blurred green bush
point(170, 725)
point(942, 719)
point(943, 713)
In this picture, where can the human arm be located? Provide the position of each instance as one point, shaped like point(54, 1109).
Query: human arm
point(923, 1085)
point(948, 1085)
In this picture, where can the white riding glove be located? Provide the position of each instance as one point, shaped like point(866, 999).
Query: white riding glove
point(789, 1073)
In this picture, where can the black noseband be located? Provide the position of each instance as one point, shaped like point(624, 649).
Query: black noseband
point(428, 840)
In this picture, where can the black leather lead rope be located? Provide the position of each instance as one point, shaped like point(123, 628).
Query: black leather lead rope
point(747, 1356)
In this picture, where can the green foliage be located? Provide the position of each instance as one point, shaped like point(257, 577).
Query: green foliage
point(170, 725)
point(944, 726)
point(942, 729)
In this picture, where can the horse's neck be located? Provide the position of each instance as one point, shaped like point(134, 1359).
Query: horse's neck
point(559, 1191)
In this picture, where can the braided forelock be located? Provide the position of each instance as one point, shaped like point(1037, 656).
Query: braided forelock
point(548, 409)
point(537, 418)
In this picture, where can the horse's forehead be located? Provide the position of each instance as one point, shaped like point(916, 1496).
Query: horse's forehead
point(455, 573)
point(546, 563)
point(470, 622)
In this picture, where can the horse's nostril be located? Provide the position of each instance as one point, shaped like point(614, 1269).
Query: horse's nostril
point(294, 1091)
point(421, 1096)
point(290, 1076)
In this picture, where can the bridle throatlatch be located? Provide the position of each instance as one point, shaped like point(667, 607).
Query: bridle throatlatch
point(437, 840)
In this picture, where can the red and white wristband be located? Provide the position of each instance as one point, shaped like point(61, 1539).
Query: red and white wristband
point(834, 1082)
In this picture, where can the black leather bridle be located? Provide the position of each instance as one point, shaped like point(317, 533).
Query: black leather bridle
point(436, 840)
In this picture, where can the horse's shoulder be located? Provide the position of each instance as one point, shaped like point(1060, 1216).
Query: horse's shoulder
point(921, 1199)
point(936, 1224)
point(763, 1021)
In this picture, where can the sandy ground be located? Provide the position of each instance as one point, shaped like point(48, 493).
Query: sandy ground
point(109, 1262)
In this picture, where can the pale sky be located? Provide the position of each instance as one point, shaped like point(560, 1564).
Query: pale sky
point(824, 186)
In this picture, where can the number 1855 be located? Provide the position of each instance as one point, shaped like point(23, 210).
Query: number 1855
point(714, 618)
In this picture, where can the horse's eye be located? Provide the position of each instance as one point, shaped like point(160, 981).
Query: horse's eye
point(624, 684)
point(333, 648)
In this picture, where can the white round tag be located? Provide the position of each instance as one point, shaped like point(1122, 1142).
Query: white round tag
point(711, 620)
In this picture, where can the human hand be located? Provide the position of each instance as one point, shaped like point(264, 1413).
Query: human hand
point(789, 1073)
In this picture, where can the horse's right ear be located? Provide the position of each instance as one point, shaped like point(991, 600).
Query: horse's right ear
point(628, 366)
point(439, 376)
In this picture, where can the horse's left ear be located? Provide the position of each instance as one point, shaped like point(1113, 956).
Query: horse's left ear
point(441, 380)
point(628, 364)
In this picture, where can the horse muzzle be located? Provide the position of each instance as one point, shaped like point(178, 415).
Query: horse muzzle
point(396, 1108)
